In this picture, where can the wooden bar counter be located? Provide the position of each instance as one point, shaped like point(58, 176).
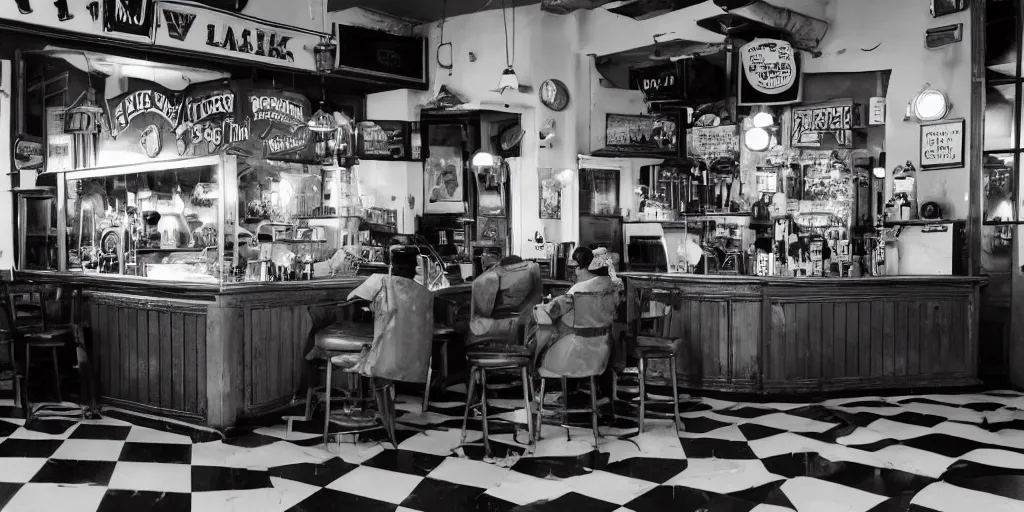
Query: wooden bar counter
point(808, 335)
point(196, 352)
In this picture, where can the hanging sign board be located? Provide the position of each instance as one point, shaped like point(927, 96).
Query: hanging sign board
point(278, 118)
point(383, 140)
point(205, 30)
point(377, 53)
point(128, 20)
point(658, 83)
point(942, 145)
point(771, 73)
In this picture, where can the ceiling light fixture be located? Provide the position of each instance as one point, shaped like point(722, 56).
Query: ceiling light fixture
point(508, 79)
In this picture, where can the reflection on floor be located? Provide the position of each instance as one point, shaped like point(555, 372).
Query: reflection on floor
point(916, 453)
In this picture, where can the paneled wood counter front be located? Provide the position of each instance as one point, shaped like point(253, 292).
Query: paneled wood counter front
point(776, 335)
point(195, 352)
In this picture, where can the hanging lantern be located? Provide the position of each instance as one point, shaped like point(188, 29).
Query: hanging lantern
point(322, 123)
point(83, 117)
point(324, 53)
point(344, 140)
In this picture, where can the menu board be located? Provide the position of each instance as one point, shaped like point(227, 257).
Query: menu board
point(383, 140)
point(713, 142)
point(942, 145)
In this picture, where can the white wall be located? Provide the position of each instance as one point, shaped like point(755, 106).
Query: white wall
point(6, 197)
point(899, 27)
point(391, 183)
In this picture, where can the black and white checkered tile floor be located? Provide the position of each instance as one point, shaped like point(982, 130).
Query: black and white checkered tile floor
point(917, 453)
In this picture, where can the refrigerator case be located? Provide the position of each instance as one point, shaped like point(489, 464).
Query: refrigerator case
point(934, 249)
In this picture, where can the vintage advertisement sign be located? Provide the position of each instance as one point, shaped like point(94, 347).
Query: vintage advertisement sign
point(383, 140)
point(942, 145)
point(770, 73)
point(278, 118)
point(830, 124)
point(378, 53)
point(713, 142)
point(636, 135)
point(205, 30)
point(209, 121)
point(129, 20)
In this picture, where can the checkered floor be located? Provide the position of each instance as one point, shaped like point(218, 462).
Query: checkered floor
point(917, 453)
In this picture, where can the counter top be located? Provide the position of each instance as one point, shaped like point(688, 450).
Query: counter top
point(126, 284)
point(802, 281)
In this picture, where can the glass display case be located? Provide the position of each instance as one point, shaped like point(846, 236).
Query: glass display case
point(214, 220)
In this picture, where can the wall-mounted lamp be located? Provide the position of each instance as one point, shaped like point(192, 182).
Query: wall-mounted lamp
point(482, 159)
point(928, 105)
point(879, 170)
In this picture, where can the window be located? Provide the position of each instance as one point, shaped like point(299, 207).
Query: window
point(1002, 162)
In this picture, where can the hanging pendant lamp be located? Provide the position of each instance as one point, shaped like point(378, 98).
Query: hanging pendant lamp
point(508, 79)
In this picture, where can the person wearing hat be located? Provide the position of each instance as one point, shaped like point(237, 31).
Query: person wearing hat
point(572, 340)
point(503, 296)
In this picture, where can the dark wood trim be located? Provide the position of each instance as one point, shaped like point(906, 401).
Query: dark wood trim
point(156, 411)
point(148, 303)
point(975, 201)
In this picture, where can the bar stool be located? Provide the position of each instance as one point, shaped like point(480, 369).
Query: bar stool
point(592, 320)
point(442, 335)
point(44, 334)
point(491, 354)
point(653, 346)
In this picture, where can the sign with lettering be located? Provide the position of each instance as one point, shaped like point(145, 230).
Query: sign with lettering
point(210, 122)
point(942, 145)
point(127, 20)
point(770, 73)
point(658, 83)
point(146, 101)
point(383, 140)
point(713, 142)
point(633, 135)
point(279, 119)
point(823, 124)
point(373, 52)
point(205, 30)
point(141, 124)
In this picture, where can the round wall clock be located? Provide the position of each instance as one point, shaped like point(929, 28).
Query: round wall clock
point(554, 95)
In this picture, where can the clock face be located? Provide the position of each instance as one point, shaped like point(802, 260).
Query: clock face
point(554, 95)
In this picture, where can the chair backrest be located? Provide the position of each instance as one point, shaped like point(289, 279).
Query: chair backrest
point(594, 309)
point(655, 313)
point(57, 304)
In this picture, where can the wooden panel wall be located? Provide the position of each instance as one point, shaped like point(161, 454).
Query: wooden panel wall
point(275, 337)
point(773, 337)
point(150, 352)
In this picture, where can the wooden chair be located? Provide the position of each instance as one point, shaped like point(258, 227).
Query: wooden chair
point(41, 332)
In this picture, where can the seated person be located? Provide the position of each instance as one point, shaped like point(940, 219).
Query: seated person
point(403, 321)
point(502, 299)
point(572, 339)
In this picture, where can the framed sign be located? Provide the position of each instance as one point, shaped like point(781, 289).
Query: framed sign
point(128, 20)
point(828, 124)
point(204, 30)
point(383, 140)
point(634, 135)
point(278, 118)
point(550, 193)
point(657, 83)
point(770, 73)
point(942, 145)
point(377, 53)
point(713, 142)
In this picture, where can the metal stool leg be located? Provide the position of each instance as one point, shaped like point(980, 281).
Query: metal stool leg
point(430, 375)
point(540, 411)
point(28, 364)
point(675, 390)
point(469, 402)
point(615, 394)
point(483, 409)
point(593, 410)
point(529, 409)
point(327, 403)
point(642, 374)
point(56, 372)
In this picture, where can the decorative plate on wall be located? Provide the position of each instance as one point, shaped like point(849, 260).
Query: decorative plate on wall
point(554, 95)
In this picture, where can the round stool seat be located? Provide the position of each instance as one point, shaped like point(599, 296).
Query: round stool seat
point(488, 355)
point(344, 337)
point(346, 360)
point(655, 344)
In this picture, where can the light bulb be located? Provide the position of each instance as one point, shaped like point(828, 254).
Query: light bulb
point(756, 139)
point(763, 120)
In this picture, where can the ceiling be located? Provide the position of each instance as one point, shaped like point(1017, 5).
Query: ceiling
point(426, 10)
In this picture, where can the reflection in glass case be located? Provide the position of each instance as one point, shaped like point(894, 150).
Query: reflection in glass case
point(160, 221)
point(37, 228)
